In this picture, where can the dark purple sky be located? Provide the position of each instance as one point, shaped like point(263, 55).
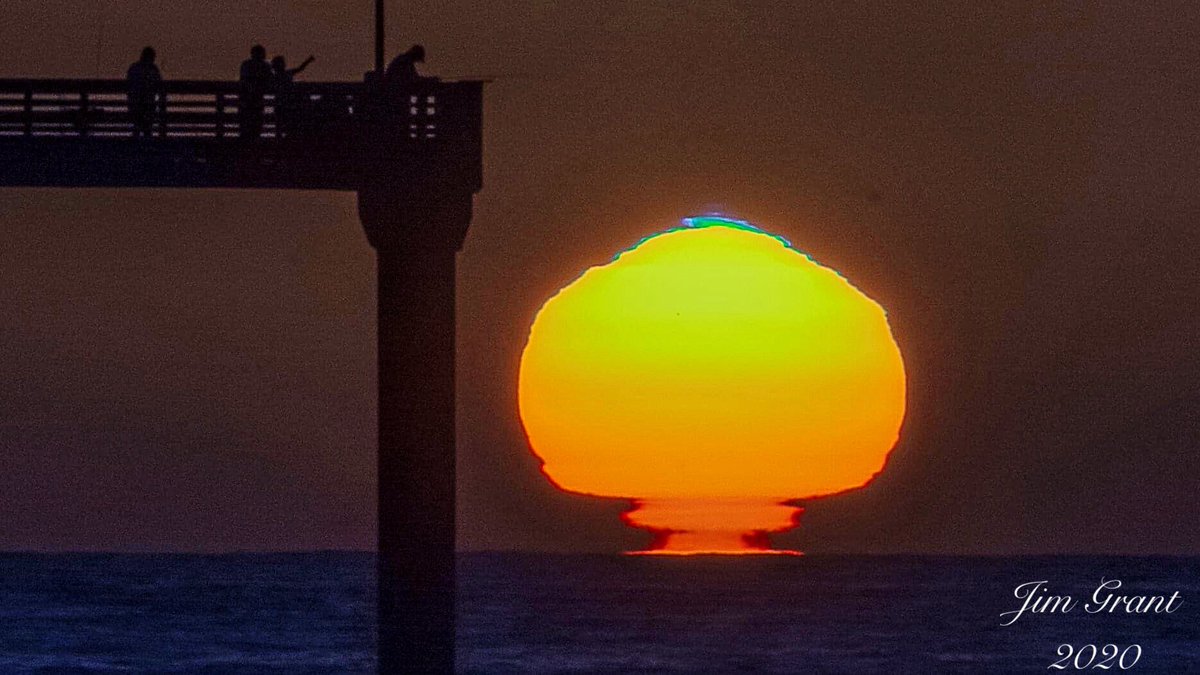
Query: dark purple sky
point(1017, 185)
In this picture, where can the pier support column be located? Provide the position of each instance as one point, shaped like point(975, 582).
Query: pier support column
point(416, 236)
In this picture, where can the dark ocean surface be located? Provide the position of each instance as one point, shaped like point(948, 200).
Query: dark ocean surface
point(312, 613)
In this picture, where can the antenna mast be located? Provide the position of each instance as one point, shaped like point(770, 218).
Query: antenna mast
point(379, 34)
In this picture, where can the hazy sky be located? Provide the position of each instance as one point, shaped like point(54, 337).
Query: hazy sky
point(1015, 184)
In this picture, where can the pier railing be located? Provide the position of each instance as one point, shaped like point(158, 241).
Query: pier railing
point(202, 109)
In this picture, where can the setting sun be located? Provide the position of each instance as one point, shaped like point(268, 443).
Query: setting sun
point(711, 373)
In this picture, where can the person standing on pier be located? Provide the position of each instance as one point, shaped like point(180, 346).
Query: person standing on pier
point(145, 83)
point(287, 104)
point(255, 80)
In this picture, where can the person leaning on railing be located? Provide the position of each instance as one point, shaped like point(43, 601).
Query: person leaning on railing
point(254, 81)
point(145, 84)
point(402, 70)
point(401, 75)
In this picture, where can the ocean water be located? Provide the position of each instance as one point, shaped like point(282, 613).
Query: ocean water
point(312, 613)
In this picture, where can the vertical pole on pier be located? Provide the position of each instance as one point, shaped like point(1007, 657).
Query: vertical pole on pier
point(416, 238)
point(379, 37)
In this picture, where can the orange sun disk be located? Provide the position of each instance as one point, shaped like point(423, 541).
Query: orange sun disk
point(711, 374)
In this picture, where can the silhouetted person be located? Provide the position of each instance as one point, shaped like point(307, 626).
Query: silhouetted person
point(402, 72)
point(145, 82)
point(255, 81)
point(287, 105)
